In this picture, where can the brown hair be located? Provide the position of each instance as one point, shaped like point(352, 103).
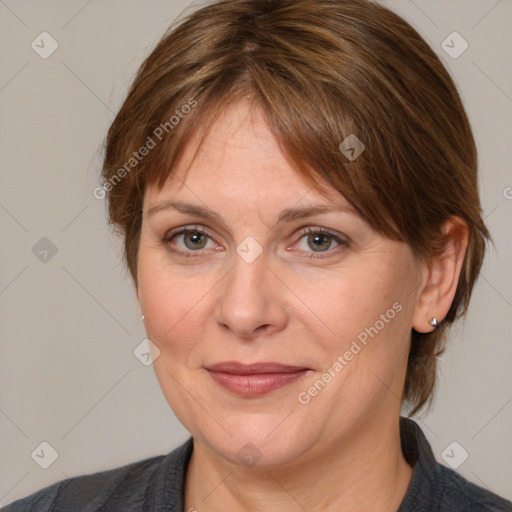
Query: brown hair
point(320, 70)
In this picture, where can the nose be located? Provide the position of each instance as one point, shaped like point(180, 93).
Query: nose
point(252, 299)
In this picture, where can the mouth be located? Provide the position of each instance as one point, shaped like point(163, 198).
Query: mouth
point(253, 380)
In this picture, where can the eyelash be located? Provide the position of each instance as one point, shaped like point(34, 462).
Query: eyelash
point(321, 231)
point(303, 232)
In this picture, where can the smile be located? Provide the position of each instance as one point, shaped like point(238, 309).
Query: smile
point(256, 379)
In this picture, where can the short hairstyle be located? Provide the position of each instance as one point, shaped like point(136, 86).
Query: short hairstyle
point(320, 70)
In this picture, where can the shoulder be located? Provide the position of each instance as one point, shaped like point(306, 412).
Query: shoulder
point(461, 495)
point(88, 492)
point(437, 487)
point(128, 488)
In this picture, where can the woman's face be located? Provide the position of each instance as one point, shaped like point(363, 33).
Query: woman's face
point(229, 276)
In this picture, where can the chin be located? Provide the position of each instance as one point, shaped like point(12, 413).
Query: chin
point(256, 439)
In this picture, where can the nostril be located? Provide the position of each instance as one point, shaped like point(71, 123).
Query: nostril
point(262, 328)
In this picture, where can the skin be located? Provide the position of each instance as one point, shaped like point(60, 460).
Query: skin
point(302, 302)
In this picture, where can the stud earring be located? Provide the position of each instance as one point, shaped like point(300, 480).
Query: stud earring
point(434, 323)
point(142, 317)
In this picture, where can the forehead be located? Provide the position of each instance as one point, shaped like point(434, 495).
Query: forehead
point(239, 158)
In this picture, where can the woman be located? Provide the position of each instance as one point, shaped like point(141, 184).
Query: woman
point(296, 186)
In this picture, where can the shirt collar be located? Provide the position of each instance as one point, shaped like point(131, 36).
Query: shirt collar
point(418, 454)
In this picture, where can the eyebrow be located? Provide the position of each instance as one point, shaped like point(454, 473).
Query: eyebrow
point(287, 215)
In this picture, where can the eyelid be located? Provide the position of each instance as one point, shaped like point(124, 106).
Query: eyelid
point(169, 235)
point(324, 231)
point(184, 229)
point(342, 240)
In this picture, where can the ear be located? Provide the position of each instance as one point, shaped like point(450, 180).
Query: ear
point(441, 276)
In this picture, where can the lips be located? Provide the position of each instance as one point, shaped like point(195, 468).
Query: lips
point(252, 380)
point(233, 367)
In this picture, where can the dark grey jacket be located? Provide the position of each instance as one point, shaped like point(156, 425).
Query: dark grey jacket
point(157, 484)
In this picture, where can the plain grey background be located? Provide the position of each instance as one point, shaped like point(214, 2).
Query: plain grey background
point(69, 318)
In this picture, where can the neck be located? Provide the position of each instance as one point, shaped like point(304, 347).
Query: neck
point(366, 471)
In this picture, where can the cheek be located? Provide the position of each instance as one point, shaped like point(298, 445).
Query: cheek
point(347, 302)
point(172, 305)
point(363, 314)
